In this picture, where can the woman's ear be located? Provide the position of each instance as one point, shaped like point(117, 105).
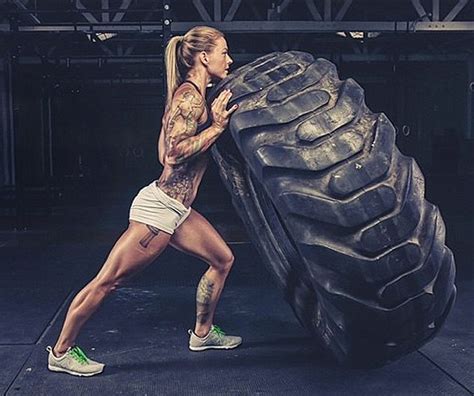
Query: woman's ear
point(204, 58)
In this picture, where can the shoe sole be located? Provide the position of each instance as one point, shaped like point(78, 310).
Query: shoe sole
point(77, 374)
point(203, 348)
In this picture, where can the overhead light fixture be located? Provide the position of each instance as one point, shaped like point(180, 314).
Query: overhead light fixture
point(105, 36)
point(100, 36)
point(358, 35)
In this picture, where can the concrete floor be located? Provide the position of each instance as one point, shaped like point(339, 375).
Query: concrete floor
point(141, 331)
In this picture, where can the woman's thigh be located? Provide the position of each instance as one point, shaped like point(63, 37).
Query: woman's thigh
point(138, 246)
point(197, 237)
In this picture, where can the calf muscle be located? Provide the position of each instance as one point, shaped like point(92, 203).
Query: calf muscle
point(204, 299)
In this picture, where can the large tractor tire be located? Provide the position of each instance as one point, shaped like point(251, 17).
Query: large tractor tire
point(336, 211)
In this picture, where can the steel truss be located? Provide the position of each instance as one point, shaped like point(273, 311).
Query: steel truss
point(137, 30)
point(241, 16)
point(333, 16)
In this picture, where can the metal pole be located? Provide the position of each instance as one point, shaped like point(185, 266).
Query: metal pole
point(6, 128)
point(470, 98)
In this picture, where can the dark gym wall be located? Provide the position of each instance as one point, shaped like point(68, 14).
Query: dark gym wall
point(99, 102)
point(104, 131)
point(427, 102)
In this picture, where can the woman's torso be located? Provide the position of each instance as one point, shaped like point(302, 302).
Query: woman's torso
point(181, 181)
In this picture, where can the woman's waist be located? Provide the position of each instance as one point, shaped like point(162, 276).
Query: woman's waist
point(179, 198)
point(181, 184)
point(182, 193)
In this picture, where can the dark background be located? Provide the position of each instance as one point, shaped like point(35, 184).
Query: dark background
point(81, 99)
point(81, 115)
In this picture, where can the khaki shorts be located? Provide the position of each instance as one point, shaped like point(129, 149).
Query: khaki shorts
point(153, 207)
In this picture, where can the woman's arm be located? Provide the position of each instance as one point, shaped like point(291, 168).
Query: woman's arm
point(181, 142)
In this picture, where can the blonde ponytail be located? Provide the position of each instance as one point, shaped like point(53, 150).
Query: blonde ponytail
point(180, 55)
point(173, 77)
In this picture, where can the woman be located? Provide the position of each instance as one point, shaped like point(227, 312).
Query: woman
point(160, 214)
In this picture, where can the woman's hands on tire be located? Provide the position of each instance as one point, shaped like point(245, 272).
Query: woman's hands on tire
point(220, 114)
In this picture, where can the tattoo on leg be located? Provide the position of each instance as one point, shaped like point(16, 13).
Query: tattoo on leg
point(152, 232)
point(204, 299)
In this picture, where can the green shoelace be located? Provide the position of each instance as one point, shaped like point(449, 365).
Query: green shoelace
point(79, 355)
point(218, 331)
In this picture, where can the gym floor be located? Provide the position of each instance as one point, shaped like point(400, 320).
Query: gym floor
point(141, 331)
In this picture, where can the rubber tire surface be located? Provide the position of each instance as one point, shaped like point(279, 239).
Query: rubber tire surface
point(336, 211)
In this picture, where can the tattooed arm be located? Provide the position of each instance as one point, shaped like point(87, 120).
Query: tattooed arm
point(181, 142)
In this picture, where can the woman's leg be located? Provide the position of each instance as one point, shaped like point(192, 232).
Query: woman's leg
point(138, 246)
point(196, 236)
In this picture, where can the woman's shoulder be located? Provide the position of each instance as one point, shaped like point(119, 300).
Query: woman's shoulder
point(186, 95)
point(187, 88)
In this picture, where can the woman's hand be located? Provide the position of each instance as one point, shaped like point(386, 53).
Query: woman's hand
point(220, 114)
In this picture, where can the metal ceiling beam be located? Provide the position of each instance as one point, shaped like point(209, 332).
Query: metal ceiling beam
point(89, 28)
point(217, 10)
point(202, 10)
point(328, 27)
point(456, 10)
point(284, 5)
point(105, 14)
point(124, 6)
point(327, 10)
point(90, 14)
point(232, 10)
point(420, 10)
point(324, 22)
point(342, 12)
point(313, 10)
point(435, 16)
point(34, 18)
point(89, 17)
point(257, 27)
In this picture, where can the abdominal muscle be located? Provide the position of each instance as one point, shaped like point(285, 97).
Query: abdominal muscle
point(182, 181)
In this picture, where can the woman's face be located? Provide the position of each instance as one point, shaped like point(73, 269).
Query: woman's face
point(219, 60)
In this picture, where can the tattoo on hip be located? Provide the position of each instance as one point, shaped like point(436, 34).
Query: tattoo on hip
point(152, 233)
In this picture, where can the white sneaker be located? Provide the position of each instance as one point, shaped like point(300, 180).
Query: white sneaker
point(74, 362)
point(216, 339)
